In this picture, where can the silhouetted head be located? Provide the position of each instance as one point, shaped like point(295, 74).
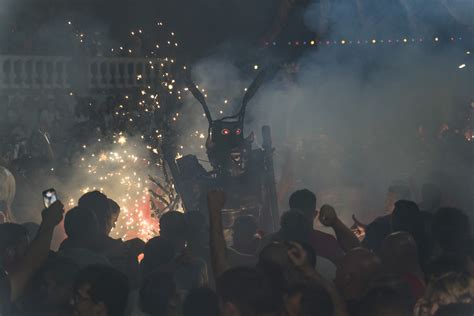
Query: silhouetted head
point(307, 299)
point(98, 203)
point(406, 217)
point(304, 200)
point(81, 224)
point(358, 269)
point(173, 227)
point(158, 294)
point(158, 251)
point(53, 284)
point(246, 292)
point(100, 290)
point(400, 253)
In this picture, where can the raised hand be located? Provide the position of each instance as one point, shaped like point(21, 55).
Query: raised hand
point(327, 216)
point(298, 256)
point(358, 228)
point(53, 215)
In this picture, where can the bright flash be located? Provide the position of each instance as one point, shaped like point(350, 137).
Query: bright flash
point(255, 67)
point(170, 87)
point(122, 140)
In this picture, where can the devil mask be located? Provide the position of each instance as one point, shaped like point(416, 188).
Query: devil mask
point(226, 146)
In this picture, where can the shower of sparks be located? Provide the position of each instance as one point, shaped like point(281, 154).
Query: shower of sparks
point(129, 169)
point(122, 174)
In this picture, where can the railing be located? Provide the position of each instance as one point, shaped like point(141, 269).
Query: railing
point(44, 72)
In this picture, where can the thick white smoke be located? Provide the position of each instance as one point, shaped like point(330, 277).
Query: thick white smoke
point(349, 120)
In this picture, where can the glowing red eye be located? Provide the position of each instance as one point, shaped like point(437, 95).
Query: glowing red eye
point(225, 132)
point(238, 131)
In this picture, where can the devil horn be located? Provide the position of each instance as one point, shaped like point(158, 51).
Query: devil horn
point(198, 95)
point(252, 90)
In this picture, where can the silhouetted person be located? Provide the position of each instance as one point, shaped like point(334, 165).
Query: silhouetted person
point(159, 295)
point(400, 257)
point(354, 275)
point(381, 227)
point(100, 291)
point(201, 302)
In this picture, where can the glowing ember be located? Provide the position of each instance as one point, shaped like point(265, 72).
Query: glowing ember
point(122, 140)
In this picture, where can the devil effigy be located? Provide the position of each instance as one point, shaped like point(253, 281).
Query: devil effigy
point(245, 173)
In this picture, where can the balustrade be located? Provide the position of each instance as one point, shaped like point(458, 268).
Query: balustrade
point(45, 72)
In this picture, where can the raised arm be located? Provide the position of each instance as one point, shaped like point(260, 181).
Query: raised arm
point(298, 256)
point(37, 252)
point(345, 237)
point(218, 247)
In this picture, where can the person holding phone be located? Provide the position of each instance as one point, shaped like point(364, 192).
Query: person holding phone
point(49, 197)
point(13, 282)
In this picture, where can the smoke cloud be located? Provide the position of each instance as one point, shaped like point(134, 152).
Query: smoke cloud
point(349, 120)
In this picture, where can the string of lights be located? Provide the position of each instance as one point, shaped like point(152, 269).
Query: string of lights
point(372, 41)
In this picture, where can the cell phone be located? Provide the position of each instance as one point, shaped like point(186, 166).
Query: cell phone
point(49, 197)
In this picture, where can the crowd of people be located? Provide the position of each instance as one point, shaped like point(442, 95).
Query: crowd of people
point(415, 259)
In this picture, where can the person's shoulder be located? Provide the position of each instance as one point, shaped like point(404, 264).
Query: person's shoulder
point(84, 257)
point(381, 221)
